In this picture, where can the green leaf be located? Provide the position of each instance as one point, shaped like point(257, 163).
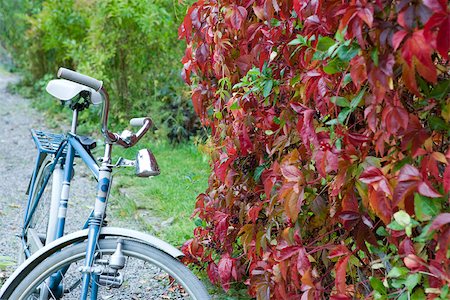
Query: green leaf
point(338, 144)
point(339, 36)
point(377, 285)
point(235, 105)
point(425, 208)
point(343, 115)
point(403, 296)
point(444, 292)
point(198, 222)
point(340, 101)
point(355, 101)
point(334, 66)
point(324, 43)
point(346, 53)
point(295, 80)
point(418, 295)
point(331, 52)
point(347, 79)
point(267, 88)
point(318, 55)
point(437, 123)
point(275, 22)
point(300, 40)
point(258, 172)
point(218, 115)
point(424, 235)
point(374, 55)
point(381, 231)
point(402, 218)
point(397, 272)
point(412, 280)
point(441, 90)
point(332, 122)
point(397, 283)
point(378, 296)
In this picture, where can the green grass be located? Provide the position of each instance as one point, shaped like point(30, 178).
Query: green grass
point(166, 202)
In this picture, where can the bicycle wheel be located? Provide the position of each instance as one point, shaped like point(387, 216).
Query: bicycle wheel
point(148, 273)
point(38, 228)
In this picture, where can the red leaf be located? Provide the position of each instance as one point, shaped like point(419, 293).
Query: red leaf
point(375, 177)
point(253, 213)
point(381, 205)
point(286, 253)
point(245, 143)
point(326, 162)
point(414, 263)
point(238, 15)
point(340, 297)
point(221, 225)
point(406, 247)
point(408, 182)
point(371, 175)
point(394, 118)
point(446, 179)
point(224, 268)
point(213, 272)
point(293, 203)
point(426, 190)
point(339, 250)
point(436, 5)
point(197, 101)
point(291, 173)
point(303, 263)
point(366, 14)
point(439, 221)
point(440, 23)
point(349, 216)
point(409, 172)
point(341, 272)
point(417, 52)
point(221, 168)
point(398, 37)
point(306, 126)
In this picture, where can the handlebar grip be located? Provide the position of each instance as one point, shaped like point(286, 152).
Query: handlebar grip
point(136, 122)
point(80, 78)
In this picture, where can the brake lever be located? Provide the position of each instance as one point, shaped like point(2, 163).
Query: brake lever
point(127, 138)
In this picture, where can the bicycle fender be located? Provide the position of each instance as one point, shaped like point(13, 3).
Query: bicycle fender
point(80, 236)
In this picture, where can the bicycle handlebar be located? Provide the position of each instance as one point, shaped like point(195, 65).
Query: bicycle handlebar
point(80, 78)
point(127, 140)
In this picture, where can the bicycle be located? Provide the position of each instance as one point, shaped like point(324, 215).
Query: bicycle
point(97, 262)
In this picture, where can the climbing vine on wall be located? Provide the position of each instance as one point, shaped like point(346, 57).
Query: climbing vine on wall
point(330, 125)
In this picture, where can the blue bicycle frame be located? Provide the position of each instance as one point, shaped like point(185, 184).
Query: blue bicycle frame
point(70, 146)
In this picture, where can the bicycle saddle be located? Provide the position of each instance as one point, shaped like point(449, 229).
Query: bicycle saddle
point(66, 90)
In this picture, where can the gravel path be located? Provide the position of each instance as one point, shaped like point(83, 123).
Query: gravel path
point(16, 163)
point(17, 159)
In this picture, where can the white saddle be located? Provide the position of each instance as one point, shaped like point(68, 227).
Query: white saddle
point(66, 90)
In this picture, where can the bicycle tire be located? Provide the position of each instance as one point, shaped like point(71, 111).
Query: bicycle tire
point(146, 256)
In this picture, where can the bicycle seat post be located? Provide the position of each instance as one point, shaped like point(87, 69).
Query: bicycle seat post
point(73, 128)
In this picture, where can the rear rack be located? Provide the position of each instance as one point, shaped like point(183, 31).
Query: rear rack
point(47, 142)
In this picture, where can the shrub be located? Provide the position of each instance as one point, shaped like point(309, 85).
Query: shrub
point(330, 124)
point(130, 44)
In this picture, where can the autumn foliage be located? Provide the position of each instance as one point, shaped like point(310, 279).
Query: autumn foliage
point(330, 125)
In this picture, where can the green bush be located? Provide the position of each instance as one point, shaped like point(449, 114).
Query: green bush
point(131, 45)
